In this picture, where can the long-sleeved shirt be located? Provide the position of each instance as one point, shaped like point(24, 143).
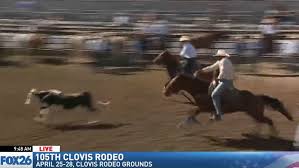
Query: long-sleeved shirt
point(226, 69)
point(188, 51)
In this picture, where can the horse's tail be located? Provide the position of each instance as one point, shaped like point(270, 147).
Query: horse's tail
point(276, 104)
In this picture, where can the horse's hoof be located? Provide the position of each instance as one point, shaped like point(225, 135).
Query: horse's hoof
point(218, 117)
point(188, 122)
point(194, 121)
point(182, 125)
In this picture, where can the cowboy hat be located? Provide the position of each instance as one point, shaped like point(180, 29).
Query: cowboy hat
point(221, 53)
point(185, 38)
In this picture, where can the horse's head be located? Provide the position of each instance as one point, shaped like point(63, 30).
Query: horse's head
point(160, 58)
point(176, 84)
point(165, 57)
point(29, 95)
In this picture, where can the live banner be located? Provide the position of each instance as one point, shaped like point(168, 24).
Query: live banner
point(52, 157)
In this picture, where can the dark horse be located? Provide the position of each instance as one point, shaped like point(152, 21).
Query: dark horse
point(173, 66)
point(67, 101)
point(236, 100)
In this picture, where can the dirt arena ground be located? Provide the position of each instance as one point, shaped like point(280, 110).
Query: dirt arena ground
point(139, 117)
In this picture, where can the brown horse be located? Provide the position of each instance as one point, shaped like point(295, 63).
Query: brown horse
point(173, 66)
point(236, 100)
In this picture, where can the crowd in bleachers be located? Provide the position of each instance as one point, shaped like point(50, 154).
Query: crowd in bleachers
point(154, 31)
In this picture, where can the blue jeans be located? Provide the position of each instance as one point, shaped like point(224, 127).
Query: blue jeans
point(224, 85)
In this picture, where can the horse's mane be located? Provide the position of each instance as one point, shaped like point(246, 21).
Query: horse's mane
point(165, 54)
point(160, 56)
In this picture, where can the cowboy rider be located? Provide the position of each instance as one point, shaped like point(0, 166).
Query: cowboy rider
point(225, 79)
point(189, 54)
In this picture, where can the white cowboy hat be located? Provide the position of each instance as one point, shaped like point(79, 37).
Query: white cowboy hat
point(221, 53)
point(185, 38)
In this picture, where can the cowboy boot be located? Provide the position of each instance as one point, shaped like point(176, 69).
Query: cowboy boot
point(218, 117)
point(215, 117)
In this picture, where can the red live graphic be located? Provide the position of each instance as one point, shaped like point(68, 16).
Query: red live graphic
point(46, 148)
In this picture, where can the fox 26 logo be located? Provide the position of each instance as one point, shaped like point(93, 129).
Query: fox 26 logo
point(15, 160)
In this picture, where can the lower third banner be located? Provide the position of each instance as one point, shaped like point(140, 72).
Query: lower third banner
point(166, 159)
